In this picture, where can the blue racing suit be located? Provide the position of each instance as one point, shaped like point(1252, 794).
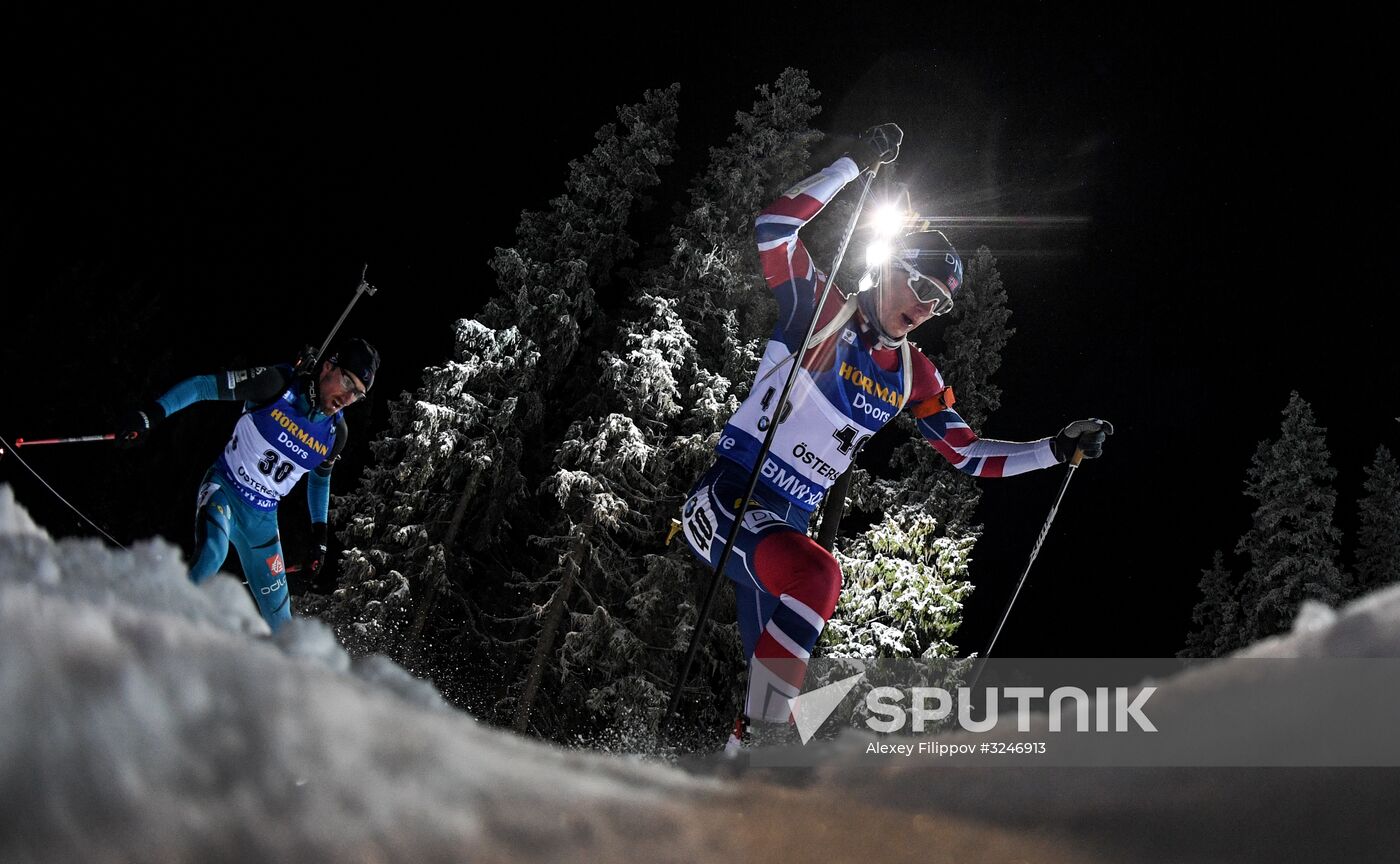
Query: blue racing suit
point(280, 436)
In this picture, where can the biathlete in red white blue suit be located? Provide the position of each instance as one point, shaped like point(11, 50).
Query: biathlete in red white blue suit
point(857, 372)
point(291, 426)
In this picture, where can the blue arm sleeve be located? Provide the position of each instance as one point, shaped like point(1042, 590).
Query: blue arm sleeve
point(251, 385)
point(201, 388)
point(318, 496)
point(318, 482)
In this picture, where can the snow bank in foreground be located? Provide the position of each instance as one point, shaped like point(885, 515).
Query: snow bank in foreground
point(144, 719)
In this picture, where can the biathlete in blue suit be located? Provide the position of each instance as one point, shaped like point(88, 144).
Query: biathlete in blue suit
point(292, 424)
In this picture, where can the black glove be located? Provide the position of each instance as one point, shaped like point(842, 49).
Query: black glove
point(137, 424)
point(316, 555)
point(1087, 435)
point(878, 145)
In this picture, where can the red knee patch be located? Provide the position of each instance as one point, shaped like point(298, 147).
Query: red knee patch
point(789, 562)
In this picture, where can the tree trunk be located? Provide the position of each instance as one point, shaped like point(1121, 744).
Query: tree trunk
point(423, 606)
point(572, 567)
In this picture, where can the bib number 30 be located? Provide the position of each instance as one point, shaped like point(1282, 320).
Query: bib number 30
point(272, 465)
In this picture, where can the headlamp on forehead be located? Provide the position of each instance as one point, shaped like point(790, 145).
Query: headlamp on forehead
point(886, 222)
point(889, 220)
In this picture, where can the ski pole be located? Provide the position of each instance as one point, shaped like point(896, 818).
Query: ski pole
point(363, 288)
point(834, 508)
point(758, 462)
point(80, 439)
point(1035, 550)
point(4, 445)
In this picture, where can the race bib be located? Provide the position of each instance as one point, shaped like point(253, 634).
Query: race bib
point(699, 523)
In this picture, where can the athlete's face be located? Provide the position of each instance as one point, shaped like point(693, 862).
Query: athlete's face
point(338, 388)
point(900, 308)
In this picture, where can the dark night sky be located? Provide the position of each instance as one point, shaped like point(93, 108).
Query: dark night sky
point(197, 192)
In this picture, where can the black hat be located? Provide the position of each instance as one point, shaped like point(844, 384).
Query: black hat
point(358, 357)
point(930, 253)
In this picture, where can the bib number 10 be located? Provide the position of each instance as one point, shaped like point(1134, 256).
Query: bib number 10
point(766, 404)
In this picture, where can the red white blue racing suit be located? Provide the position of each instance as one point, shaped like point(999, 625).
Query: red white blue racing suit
point(849, 386)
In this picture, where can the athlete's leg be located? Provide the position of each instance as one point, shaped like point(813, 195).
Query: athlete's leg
point(260, 549)
point(786, 586)
point(211, 530)
point(807, 582)
point(755, 607)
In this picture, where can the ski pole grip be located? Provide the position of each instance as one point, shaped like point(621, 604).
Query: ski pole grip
point(1077, 457)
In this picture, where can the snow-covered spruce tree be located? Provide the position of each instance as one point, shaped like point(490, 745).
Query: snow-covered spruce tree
point(440, 517)
point(902, 593)
point(906, 577)
point(694, 325)
point(1292, 545)
point(713, 273)
point(1216, 614)
point(975, 338)
point(1378, 534)
point(428, 501)
point(605, 485)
